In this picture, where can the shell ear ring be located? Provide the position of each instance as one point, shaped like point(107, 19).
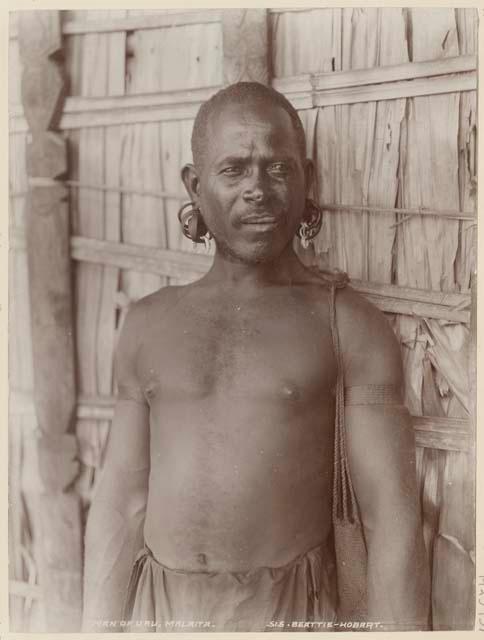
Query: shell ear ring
point(193, 225)
point(311, 224)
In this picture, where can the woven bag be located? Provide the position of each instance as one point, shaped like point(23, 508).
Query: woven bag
point(349, 540)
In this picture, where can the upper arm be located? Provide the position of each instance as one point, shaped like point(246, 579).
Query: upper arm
point(127, 460)
point(380, 438)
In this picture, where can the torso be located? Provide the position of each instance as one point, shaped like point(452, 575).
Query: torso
point(241, 396)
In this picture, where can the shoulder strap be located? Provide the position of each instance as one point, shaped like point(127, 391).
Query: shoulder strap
point(344, 499)
point(332, 278)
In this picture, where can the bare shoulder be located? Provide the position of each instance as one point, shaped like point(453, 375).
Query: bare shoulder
point(154, 305)
point(141, 315)
point(371, 352)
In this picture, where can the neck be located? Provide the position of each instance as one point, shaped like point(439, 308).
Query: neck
point(285, 269)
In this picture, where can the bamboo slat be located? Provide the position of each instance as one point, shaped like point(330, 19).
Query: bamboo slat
point(358, 151)
point(98, 217)
point(81, 112)
point(455, 547)
point(467, 250)
point(450, 299)
point(24, 589)
point(453, 594)
point(175, 141)
point(433, 462)
point(382, 171)
point(146, 20)
point(307, 83)
point(418, 309)
point(319, 44)
point(166, 145)
point(425, 248)
point(291, 10)
point(426, 254)
point(406, 213)
point(106, 323)
point(79, 25)
point(381, 91)
point(390, 69)
point(450, 434)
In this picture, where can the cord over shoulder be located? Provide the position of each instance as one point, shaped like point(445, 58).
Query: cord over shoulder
point(332, 277)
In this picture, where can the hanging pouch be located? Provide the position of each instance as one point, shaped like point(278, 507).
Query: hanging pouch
point(349, 540)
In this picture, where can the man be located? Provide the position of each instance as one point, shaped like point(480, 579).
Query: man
point(220, 461)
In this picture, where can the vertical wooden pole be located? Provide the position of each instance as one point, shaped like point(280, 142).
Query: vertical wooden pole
point(245, 37)
point(57, 509)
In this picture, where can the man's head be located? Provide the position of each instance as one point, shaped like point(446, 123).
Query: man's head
point(245, 95)
point(250, 177)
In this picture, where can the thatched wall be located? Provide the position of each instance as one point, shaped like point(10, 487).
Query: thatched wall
point(382, 151)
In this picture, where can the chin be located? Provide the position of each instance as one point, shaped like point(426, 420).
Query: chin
point(255, 254)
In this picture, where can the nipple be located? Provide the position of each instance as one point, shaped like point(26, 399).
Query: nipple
point(290, 392)
point(202, 559)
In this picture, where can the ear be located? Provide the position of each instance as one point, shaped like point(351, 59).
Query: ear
point(308, 175)
point(191, 181)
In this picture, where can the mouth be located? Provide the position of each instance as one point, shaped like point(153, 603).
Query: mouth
point(261, 221)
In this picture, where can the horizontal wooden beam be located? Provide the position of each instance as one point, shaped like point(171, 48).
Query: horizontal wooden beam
point(181, 264)
point(293, 10)
point(163, 262)
point(125, 190)
point(390, 298)
point(144, 21)
point(81, 112)
point(404, 307)
point(305, 92)
point(396, 90)
point(24, 590)
point(452, 214)
point(375, 75)
point(448, 299)
point(450, 434)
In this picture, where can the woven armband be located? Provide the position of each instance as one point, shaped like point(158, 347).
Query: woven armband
point(132, 393)
point(373, 394)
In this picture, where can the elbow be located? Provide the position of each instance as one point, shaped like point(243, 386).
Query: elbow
point(118, 501)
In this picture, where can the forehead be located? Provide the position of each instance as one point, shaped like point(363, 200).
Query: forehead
point(236, 128)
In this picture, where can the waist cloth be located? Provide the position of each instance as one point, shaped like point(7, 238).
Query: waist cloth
point(299, 596)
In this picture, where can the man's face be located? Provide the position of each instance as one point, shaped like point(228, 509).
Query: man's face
point(252, 185)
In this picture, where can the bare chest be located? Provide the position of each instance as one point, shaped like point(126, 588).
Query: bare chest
point(256, 351)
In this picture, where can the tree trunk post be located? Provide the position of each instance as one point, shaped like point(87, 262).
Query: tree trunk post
point(56, 507)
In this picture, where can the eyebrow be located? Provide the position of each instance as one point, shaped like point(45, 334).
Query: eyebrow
point(233, 159)
point(239, 159)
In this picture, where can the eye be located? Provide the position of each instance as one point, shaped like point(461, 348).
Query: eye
point(232, 171)
point(279, 168)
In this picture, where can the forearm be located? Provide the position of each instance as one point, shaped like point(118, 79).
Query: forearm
point(398, 581)
point(112, 540)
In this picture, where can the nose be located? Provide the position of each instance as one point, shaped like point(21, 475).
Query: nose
point(255, 191)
